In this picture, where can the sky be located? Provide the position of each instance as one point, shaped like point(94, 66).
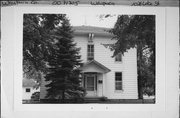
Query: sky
point(91, 20)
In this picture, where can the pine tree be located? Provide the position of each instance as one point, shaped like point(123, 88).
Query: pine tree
point(63, 73)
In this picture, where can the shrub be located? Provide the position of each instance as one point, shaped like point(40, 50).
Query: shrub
point(35, 96)
point(103, 98)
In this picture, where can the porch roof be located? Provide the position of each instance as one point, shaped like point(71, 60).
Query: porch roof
point(94, 66)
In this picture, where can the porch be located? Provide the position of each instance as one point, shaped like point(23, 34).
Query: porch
point(93, 79)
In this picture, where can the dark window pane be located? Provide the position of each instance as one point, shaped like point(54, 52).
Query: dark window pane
point(28, 90)
point(92, 47)
point(119, 74)
point(118, 79)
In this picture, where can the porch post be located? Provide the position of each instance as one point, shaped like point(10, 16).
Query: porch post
point(103, 84)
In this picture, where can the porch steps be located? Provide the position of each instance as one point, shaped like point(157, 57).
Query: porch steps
point(94, 99)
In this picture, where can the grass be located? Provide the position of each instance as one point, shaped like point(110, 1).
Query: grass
point(108, 101)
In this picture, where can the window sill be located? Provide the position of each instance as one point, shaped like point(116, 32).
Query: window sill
point(119, 62)
point(119, 91)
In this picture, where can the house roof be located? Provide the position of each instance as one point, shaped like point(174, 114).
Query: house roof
point(97, 67)
point(29, 83)
point(91, 29)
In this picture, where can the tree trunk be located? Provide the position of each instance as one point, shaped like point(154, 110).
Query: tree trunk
point(140, 88)
point(63, 96)
point(63, 91)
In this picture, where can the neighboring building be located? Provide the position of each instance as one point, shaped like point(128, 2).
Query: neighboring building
point(28, 88)
point(104, 76)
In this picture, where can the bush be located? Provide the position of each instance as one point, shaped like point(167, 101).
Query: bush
point(103, 98)
point(35, 96)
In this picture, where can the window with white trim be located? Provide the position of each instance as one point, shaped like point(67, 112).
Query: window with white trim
point(118, 57)
point(118, 80)
point(90, 52)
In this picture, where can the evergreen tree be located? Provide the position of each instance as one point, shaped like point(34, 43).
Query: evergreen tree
point(63, 73)
point(37, 42)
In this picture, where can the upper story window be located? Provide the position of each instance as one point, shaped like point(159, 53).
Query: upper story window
point(118, 57)
point(28, 90)
point(118, 81)
point(90, 52)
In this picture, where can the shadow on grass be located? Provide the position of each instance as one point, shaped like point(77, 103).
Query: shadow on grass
point(100, 101)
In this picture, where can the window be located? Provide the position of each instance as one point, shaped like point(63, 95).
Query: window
point(90, 53)
point(118, 57)
point(118, 81)
point(28, 90)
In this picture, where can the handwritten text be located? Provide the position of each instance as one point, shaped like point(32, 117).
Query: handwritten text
point(10, 3)
point(102, 3)
point(65, 3)
point(145, 3)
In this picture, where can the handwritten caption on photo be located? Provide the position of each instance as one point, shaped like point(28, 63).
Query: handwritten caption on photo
point(76, 3)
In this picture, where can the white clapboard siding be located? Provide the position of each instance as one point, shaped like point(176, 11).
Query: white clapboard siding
point(128, 67)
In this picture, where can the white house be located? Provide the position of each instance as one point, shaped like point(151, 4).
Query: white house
point(28, 88)
point(104, 76)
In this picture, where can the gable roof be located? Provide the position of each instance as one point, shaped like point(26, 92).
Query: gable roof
point(29, 83)
point(100, 68)
point(91, 29)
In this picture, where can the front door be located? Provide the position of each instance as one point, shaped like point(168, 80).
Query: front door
point(90, 85)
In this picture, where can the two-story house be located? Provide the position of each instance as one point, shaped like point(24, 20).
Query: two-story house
point(102, 74)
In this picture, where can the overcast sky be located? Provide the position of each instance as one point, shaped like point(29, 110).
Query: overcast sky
point(91, 20)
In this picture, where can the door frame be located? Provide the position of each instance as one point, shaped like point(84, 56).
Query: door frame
point(94, 92)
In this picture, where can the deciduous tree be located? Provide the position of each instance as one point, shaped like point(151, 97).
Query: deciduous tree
point(138, 31)
point(37, 42)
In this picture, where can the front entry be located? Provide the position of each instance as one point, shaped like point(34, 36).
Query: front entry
point(90, 83)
